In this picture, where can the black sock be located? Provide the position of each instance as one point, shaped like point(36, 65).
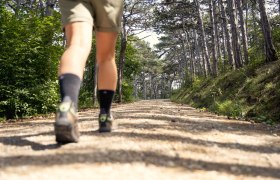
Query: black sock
point(105, 100)
point(70, 87)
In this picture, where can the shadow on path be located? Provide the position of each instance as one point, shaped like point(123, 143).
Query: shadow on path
point(21, 141)
point(122, 156)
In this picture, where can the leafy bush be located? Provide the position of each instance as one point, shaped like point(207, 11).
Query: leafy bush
point(252, 92)
point(85, 100)
point(30, 48)
point(29, 101)
point(230, 108)
point(127, 91)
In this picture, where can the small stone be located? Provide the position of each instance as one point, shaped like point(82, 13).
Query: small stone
point(170, 163)
point(234, 169)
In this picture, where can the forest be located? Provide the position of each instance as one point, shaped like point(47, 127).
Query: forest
point(217, 55)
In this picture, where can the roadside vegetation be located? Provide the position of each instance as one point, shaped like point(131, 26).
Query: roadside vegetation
point(248, 93)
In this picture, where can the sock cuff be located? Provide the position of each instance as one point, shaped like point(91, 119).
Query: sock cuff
point(106, 91)
point(69, 75)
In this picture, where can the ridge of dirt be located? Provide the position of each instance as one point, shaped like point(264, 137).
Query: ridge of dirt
point(156, 139)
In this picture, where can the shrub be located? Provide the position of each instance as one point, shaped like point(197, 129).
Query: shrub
point(230, 108)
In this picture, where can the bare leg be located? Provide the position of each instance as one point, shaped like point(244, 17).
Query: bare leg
point(79, 38)
point(105, 54)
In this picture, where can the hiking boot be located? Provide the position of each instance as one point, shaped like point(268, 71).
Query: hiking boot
point(66, 126)
point(105, 123)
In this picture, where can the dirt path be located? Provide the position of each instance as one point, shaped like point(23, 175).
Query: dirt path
point(155, 140)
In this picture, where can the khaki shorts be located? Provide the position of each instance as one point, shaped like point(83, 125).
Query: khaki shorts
point(104, 15)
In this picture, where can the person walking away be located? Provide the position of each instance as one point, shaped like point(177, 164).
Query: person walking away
point(80, 18)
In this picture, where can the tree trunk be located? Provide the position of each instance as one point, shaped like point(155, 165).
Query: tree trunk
point(223, 48)
point(204, 62)
point(213, 35)
point(186, 41)
point(135, 90)
point(120, 69)
point(18, 2)
point(243, 31)
point(144, 87)
point(170, 86)
point(227, 34)
point(266, 29)
point(94, 93)
point(203, 37)
point(279, 6)
point(155, 87)
point(49, 7)
point(183, 41)
point(246, 16)
point(255, 38)
point(235, 35)
point(121, 60)
point(192, 58)
point(203, 69)
point(216, 22)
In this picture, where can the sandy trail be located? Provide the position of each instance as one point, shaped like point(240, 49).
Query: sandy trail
point(156, 139)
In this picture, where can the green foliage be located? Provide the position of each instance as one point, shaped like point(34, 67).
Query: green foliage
point(132, 66)
point(256, 56)
point(30, 49)
point(2, 120)
point(85, 99)
point(87, 88)
point(127, 91)
point(132, 69)
point(132, 63)
point(252, 92)
point(275, 25)
point(18, 102)
point(229, 108)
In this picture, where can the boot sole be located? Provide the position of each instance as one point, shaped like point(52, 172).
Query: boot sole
point(65, 133)
point(104, 130)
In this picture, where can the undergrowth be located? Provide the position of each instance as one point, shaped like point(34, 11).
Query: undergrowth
point(248, 93)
